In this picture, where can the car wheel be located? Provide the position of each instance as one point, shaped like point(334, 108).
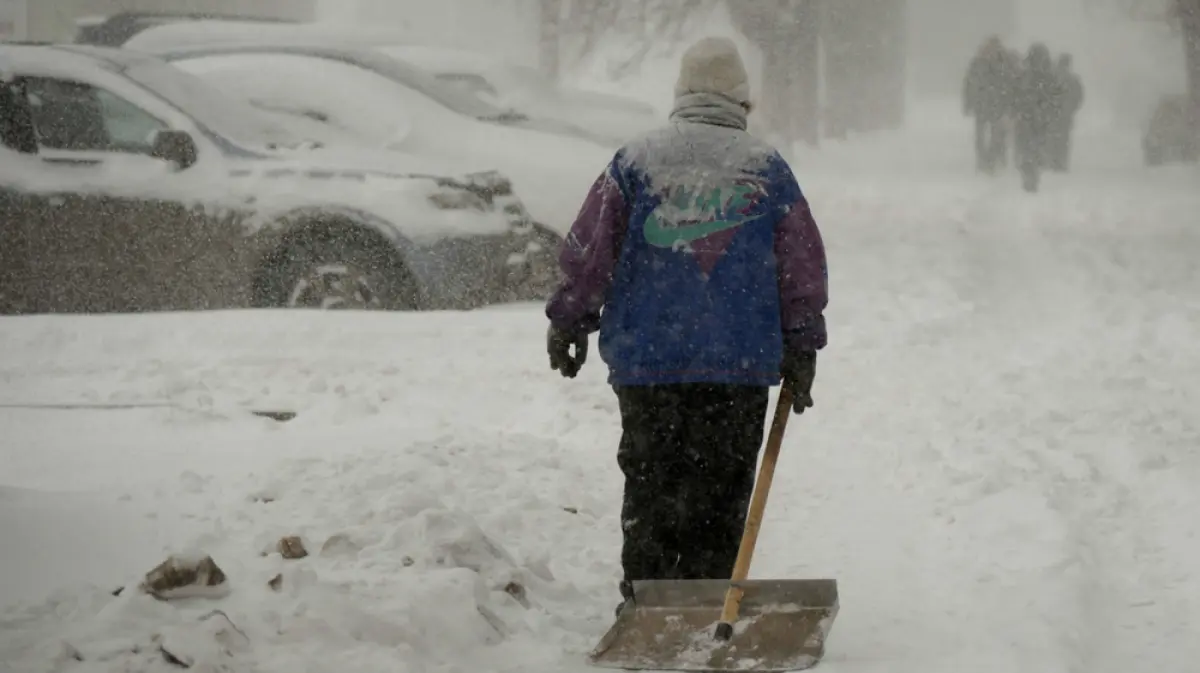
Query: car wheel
point(333, 274)
point(334, 286)
point(539, 272)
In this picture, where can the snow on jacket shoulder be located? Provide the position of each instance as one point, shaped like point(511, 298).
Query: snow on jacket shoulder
point(695, 255)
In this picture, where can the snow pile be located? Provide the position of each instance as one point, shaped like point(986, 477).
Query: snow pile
point(430, 544)
point(392, 572)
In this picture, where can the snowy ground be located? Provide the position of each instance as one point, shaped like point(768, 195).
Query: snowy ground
point(1000, 469)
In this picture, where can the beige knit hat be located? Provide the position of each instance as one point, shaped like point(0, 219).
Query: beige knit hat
point(713, 65)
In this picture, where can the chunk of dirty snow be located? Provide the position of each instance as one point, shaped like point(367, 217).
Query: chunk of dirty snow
point(186, 576)
point(291, 547)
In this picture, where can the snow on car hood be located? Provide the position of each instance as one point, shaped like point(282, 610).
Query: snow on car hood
point(411, 207)
point(350, 162)
point(550, 173)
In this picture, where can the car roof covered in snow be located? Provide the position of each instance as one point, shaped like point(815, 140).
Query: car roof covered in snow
point(117, 29)
point(442, 57)
point(390, 67)
point(346, 53)
point(68, 58)
point(173, 36)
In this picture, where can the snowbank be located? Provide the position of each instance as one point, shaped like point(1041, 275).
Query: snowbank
point(414, 552)
point(394, 574)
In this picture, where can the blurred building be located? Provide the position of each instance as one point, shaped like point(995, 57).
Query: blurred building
point(945, 34)
point(829, 66)
point(1188, 13)
point(56, 20)
point(865, 64)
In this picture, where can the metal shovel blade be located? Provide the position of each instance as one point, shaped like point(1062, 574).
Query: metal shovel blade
point(670, 624)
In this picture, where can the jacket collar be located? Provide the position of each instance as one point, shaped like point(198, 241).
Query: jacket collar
point(709, 108)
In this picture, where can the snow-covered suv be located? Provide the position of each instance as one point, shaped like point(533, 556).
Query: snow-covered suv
point(1169, 138)
point(140, 187)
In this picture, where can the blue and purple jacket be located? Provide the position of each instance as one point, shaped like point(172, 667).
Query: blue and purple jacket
point(696, 256)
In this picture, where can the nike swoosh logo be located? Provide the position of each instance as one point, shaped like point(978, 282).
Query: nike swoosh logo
point(668, 237)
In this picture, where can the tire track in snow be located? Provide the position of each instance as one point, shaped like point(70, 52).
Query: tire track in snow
point(874, 511)
point(1063, 451)
point(1012, 461)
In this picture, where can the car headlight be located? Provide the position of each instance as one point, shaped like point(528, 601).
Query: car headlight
point(459, 200)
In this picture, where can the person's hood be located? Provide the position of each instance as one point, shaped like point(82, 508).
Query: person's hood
point(713, 66)
point(1038, 57)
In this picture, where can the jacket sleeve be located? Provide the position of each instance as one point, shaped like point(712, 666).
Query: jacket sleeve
point(589, 256)
point(803, 273)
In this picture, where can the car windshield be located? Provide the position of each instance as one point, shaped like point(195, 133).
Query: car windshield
point(447, 94)
point(476, 85)
point(233, 119)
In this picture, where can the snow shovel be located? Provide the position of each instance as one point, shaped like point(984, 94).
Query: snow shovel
point(726, 625)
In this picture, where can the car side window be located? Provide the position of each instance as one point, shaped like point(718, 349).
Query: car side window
point(128, 125)
point(75, 116)
point(16, 128)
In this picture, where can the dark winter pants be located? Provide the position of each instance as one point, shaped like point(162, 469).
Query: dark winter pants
point(689, 453)
point(1060, 145)
point(991, 143)
point(1033, 152)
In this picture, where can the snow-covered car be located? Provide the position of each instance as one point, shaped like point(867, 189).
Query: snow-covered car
point(1168, 137)
point(350, 44)
point(114, 30)
point(129, 185)
point(551, 173)
point(526, 90)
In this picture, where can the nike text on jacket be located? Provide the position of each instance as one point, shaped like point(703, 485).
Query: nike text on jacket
point(695, 255)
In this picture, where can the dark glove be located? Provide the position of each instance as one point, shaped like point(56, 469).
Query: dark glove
point(558, 345)
point(799, 370)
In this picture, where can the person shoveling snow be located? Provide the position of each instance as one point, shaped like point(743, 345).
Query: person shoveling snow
point(696, 257)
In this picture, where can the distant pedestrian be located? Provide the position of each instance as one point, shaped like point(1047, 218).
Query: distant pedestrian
point(1069, 102)
point(1040, 93)
point(987, 96)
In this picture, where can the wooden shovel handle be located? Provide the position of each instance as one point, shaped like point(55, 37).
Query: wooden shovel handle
point(758, 503)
